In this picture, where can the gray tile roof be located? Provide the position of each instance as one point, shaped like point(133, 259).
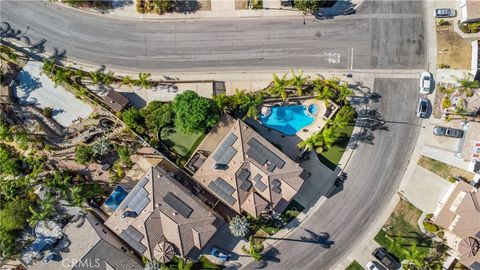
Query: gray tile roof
point(103, 255)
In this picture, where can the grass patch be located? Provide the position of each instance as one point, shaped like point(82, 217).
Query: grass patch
point(354, 266)
point(442, 169)
point(181, 143)
point(402, 226)
point(331, 157)
point(204, 263)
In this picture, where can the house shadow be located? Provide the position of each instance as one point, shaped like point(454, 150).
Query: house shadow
point(134, 99)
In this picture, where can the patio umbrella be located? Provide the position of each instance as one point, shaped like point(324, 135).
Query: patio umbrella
point(163, 251)
point(468, 247)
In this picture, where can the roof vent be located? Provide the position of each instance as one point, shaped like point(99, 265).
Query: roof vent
point(157, 205)
point(174, 213)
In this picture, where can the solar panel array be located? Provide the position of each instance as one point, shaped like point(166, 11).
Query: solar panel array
point(276, 186)
point(133, 238)
point(223, 190)
point(137, 199)
point(226, 152)
point(178, 205)
point(243, 177)
point(262, 155)
point(258, 183)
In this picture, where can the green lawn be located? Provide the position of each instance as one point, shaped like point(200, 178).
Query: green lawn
point(181, 143)
point(402, 226)
point(332, 157)
point(203, 264)
point(354, 266)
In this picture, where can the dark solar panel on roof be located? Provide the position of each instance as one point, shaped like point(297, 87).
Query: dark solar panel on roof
point(137, 199)
point(244, 174)
point(225, 151)
point(133, 238)
point(178, 205)
point(246, 185)
point(223, 190)
point(276, 190)
point(261, 154)
point(260, 186)
point(257, 177)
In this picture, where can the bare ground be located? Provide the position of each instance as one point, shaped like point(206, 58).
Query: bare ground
point(453, 50)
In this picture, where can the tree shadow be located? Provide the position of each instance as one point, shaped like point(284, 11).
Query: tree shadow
point(187, 6)
point(271, 255)
point(28, 84)
point(322, 239)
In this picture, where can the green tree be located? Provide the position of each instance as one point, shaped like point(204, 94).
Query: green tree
point(5, 132)
point(134, 120)
point(60, 76)
point(322, 90)
point(314, 142)
point(158, 115)
point(84, 154)
point(48, 66)
point(13, 215)
point(343, 117)
point(330, 136)
point(343, 92)
point(184, 264)
point(414, 256)
point(279, 86)
point(298, 81)
point(22, 139)
point(96, 76)
point(59, 181)
point(239, 98)
point(306, 6)
point(255, 249)
point(223, 102)
point(124, 152)
point(194, 113)
point(9, 162)
point(251, 105)
point(127, 80)
point(47, 112)
point(108, 78)
point(239, 226)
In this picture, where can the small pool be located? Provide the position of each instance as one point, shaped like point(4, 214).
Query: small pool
point(116, 198)
point(287, 119)
point(313, 109)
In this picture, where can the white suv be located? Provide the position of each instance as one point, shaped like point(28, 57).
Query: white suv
point(426, 82)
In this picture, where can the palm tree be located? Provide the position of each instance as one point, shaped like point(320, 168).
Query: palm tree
point(184, 264)
point(127, 80)
point(48, 66)
point(61, 75)
point(279, 87)
point(101, 146)
point(253, 101)
point(108, 78)
point(78, 73)
point(96, 76)
point(59, 181)
point(315, 142)
point(322, 90)
point(343, 93)
point(414, 256)
point(124, 153)
point(254, 250)
point(144, 80)
point(222, 101)
point(298, 81)
point(239, 226)
point(77, 195)
point(330, 136)
point(46, 209)
point(239, 98)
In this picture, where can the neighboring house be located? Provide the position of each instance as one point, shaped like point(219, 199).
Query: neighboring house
point(459, 214)
point(475, 60)
point(469, 11)
point(160, 218)
point(244, 170)
point(115, 100)
point(471, 146)
point(88, 244)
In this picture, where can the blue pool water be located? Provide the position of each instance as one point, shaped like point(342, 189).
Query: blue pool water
point(287, 119)
point(313, 109)
point(117, 196)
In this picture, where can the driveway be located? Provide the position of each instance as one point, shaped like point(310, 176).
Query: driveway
point(37, 89)
point(425, 189)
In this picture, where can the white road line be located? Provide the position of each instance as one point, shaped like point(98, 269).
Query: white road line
point(351, 59)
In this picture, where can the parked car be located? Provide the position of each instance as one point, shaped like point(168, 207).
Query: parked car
point(448, 132)
point(371, 266)
point(445, 13)
point(385, 258)
point(422, 108)
point(425, 83)
point(286, 3)
point(222, 255)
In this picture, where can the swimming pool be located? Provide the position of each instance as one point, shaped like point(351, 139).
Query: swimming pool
point(116, 198)
point(287, 119)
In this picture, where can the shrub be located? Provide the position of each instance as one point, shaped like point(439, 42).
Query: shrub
point(442, 22)
point(83, 154)
point(430, 227)
point(441, 234)
point(446, 103)
point(428, 216)
point(443, 66)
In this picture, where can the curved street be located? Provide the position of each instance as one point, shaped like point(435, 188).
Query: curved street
point(383, 35)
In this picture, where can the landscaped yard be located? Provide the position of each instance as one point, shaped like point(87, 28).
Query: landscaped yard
point(402, 228)
point(442, 169)
point(332, 157)
point(354, 266)
point(181, 143)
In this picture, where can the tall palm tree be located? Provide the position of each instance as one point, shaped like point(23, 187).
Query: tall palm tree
point(342, 93)
point(124, 153)
point(255, 249)
point(323, 90)
point(253, 101)
point(45, 211)
point(60, 76)
point(314, 142)
point(48, 66)
point(239, 226)
point(239, 98)
point(184, 264)
point(144, 80)
point(96, 76)
point(414, 256)
point(330, 136)
point(279, 87)
point(223, 102)
point(298, 81)
point(108, 78)
point(127, 80)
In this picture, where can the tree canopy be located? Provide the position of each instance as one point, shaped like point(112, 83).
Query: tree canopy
point(83, 154)
point(158, 115)
point(194, 113)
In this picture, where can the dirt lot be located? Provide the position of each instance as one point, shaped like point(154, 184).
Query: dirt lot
point(453, 50)
point(444, 170)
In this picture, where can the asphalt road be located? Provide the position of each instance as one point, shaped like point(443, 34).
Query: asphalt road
point(374, 173)
point(381, 35)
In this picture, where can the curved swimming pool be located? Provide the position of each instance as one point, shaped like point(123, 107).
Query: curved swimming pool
point(287, 119)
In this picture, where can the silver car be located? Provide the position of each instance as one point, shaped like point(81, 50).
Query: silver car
point(425, 83)
point(448, 132)
point(445, 13)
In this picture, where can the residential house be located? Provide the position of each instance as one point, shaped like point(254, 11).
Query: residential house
point(160, 218)
point(244, 170)
point(115, 101)
point(459, 214)
point(469, 11)
point(87, 244)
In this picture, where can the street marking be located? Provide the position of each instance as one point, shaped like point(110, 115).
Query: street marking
point(351, 59)
point(332, 57)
